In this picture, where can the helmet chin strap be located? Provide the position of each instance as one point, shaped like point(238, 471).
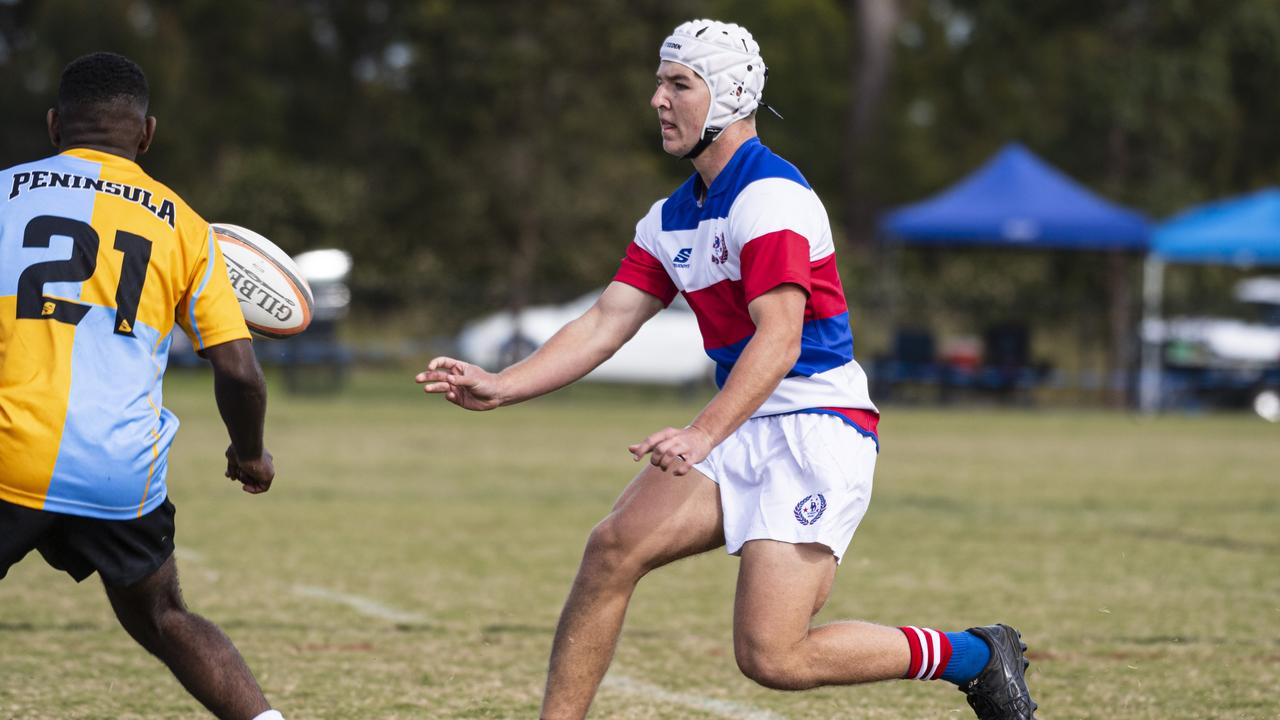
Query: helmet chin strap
point(707, 138)
point(711, 134)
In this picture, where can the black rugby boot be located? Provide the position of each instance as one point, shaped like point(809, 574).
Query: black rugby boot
point(1000, 690)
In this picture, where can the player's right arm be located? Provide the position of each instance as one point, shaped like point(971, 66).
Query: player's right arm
point(241, 393)
point(575, 350)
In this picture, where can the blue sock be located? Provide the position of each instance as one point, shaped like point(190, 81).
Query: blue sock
point(969, 655)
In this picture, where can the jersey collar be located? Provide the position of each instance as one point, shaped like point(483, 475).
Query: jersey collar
point(100, 156)
point(724, 179)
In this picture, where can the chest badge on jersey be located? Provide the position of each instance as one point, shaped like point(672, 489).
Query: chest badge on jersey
point(720, 250)
point(810, 509)
point(681, 260)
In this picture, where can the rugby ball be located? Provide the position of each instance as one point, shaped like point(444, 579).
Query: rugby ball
point(275, 300)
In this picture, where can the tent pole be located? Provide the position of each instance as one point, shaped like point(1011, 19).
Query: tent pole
point(1152, 334)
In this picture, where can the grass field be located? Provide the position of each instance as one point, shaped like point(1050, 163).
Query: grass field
point(411, 560)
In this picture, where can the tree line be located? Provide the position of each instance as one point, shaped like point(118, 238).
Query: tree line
point(487, 153)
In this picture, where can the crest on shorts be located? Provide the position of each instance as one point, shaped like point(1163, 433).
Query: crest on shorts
point(810, 509)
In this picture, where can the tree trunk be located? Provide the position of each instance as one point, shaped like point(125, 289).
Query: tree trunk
point(870, 60)
point(524, 169)
point(1128, 28)
point(1120, 322)
point(1120, 355)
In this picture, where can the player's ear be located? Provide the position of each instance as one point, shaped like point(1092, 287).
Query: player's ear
point(148, 134)
point(55, 132)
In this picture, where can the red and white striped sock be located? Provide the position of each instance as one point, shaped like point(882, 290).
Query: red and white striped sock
point(930, 652)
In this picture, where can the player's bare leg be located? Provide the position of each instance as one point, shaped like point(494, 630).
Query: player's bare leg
point(196, 651)
point(657, 520)
point(781, 586)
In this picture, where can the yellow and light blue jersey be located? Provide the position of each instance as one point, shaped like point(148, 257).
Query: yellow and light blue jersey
point(97, 263)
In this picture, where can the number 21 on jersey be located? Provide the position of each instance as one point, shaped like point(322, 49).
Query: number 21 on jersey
point(34, 304)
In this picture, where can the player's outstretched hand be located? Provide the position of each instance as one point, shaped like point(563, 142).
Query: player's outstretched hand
point(674, 449)
point(462, 384)
point(255, 475)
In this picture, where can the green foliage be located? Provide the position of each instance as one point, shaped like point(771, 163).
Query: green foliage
point(1153, 104)
point(476, 154)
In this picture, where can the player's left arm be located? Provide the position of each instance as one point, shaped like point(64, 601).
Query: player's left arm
point(241, 394)
point(770, 354)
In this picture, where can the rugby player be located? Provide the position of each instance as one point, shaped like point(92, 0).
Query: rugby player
point(777, 468)
point(97, 261)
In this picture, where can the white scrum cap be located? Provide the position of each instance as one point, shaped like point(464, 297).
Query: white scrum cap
point(728, 59)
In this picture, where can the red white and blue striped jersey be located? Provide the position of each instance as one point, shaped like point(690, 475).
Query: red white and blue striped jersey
point(760, 225)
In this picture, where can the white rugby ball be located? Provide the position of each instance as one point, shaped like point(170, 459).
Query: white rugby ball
point(275, 300)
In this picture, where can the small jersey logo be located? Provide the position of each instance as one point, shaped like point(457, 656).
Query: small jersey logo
point(810, 509)
point(720, 250)
point(681, 260)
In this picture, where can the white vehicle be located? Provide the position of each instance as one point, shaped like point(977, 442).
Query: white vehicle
point(666, 351)
point(1228, 358)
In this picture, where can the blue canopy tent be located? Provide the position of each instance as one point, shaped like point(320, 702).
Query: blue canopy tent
point(1016, 199)
point(1242, 231)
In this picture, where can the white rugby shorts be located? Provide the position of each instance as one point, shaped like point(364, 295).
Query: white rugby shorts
point(797, 478)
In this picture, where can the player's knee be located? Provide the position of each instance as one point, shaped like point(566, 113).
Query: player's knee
point(771, 668)
point(152, 619)
point(149, 629)
point(608, 552)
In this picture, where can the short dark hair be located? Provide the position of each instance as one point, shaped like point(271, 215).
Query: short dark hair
point(93, 81)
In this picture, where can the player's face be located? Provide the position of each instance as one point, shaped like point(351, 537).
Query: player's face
point(682, 100)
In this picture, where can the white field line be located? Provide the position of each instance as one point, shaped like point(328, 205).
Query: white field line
point(723, 708)
point(617, 683)
point(363, 605)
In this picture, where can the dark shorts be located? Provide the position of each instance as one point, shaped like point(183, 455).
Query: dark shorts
point(122, 552)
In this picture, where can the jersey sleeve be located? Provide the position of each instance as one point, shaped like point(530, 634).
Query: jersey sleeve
point(640, 268)
point(209, 311)
point(777, 223)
